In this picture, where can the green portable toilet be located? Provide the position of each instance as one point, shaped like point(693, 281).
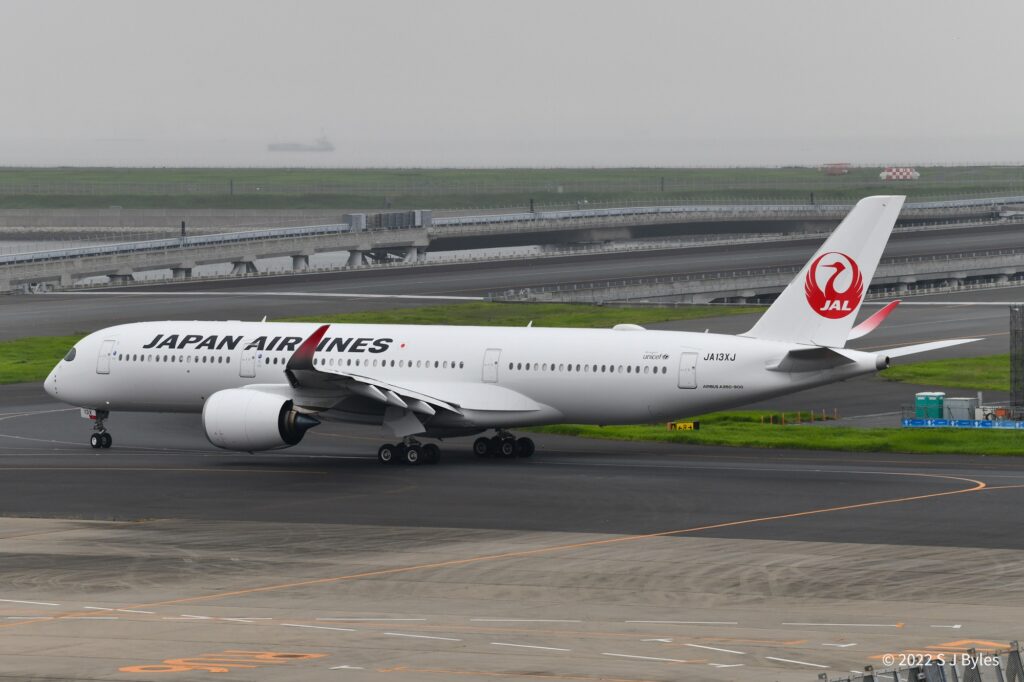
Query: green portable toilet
point(929, 404)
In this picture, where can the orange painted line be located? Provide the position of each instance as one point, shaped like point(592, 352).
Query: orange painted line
point(740, 640)
point(978, 485)
point(482, 673)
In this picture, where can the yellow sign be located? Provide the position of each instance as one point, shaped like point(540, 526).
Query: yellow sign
point(684, 426)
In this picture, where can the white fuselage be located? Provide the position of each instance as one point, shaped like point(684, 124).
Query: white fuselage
point(575, 375)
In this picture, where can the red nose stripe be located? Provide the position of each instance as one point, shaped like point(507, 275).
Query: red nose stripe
point(303, 357)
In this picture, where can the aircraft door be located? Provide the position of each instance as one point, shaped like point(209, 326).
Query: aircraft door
point(248, 366)
point(688, 370)
point(491, 358)
point(103, 361)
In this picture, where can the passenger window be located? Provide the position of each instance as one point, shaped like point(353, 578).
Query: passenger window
point(71, 355)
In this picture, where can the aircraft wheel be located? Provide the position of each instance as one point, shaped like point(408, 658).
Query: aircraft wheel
point(412, 455)
point(507, 447)
point(431, 454)
point(106, 440)
point(387, 454)
point(525, 447)
point(96, 441)
point(482, 447)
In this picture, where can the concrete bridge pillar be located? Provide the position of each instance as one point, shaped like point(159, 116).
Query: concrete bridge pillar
point(66, 280)
point(181, 272)
point(121, 277)
point(414, 254)
point(355, 259)
point(244, 267)
point(1002, 279)
point(300, 262)
point(5, 285)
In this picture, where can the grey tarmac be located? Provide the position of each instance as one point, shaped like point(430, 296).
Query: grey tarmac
point(591, 560)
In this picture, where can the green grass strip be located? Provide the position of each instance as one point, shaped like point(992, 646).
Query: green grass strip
point(739, 429)
point(32, 358)
point(984, 373)
point(520, 314)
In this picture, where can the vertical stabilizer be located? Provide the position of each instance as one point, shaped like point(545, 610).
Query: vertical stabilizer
point(820, 305)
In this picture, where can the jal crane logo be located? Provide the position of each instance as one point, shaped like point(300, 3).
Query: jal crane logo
point(835, 270)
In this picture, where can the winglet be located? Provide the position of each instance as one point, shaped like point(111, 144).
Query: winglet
point(302, 359)
point(871, 324)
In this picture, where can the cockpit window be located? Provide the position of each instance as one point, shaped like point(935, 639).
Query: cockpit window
point(70, 356)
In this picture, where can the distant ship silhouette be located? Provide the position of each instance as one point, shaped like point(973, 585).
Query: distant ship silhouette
point(320, 144)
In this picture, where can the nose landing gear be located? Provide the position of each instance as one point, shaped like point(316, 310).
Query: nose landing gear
point(100, 437)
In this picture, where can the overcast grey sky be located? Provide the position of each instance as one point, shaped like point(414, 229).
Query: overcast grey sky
point(521, 82)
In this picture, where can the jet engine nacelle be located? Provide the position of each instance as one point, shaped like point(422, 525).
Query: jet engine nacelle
point(250, 420)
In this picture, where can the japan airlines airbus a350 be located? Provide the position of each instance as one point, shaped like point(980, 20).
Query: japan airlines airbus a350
point(261, 386)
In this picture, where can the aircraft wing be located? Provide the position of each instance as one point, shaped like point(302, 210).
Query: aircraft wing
point(421, 397)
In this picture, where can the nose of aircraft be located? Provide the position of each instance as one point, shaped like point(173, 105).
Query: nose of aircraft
point(50, 385)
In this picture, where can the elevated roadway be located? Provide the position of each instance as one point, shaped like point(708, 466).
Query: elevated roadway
point(119, 261)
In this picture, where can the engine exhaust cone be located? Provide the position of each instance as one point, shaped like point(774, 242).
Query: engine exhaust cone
point(303, 422)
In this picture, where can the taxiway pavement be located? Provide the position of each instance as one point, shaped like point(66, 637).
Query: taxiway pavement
point(591, 560)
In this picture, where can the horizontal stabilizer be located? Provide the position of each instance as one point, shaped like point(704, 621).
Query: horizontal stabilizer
point(814, 359)
point(924, 347)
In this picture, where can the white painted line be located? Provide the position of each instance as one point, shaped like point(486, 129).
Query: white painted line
point(347, 667)
point(96, 608)
point(843, 646)
point(238, 620)
point(713, 648)
point(786, 660)
point(402, 634)
point(954, 627)
point(529, 646)
point(647, 658)
point(89, 618)
point(853, 625)
point(685, 622)
point(37, 603)
point(663, 640)
point(373, 620)
point(149, 613)
point(188, 615)
point(29, 617)
point(726, 665)
point(316, 627)
point(522, 620)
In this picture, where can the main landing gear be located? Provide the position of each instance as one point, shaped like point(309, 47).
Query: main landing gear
point(503, 444)
point(410, 451)
point(100, 437)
